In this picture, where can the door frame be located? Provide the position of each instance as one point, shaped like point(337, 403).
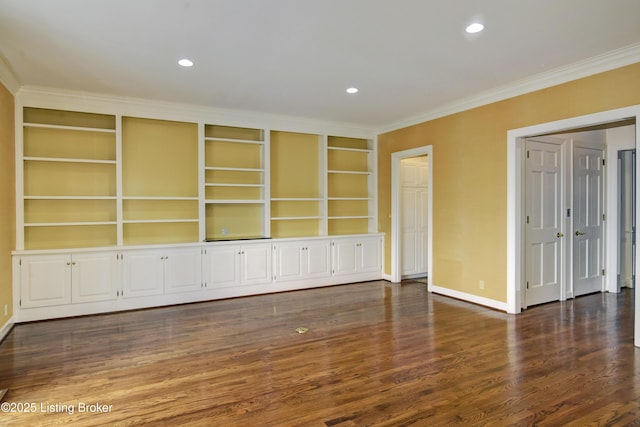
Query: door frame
point(396, 228)
point(515, 169)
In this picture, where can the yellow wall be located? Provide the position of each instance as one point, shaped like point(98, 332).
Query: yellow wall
point(7, 201)
point(470, 171)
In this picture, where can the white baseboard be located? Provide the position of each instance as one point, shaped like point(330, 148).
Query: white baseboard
point(4, 331)
point(387, 277)
point(498, 305)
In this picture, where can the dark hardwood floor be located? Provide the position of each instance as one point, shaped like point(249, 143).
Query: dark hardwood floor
point(375, 354)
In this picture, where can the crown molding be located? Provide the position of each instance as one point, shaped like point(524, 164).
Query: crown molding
point(8, 77)
point(611, 60)
point(44, 97)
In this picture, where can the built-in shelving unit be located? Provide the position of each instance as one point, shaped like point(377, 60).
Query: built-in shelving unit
point(69, 179)
point(297, 187)
point(159, 181)
point(351, 185)
point(234, 180)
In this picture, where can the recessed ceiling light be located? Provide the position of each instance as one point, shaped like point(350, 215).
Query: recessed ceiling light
point(476, 27)
point(352, 90)
point(186, 62)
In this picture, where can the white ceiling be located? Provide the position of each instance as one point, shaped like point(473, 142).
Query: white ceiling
point(297, 57)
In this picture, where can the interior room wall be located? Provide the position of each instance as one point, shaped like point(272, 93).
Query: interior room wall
point(7, 203)
point(470, 170)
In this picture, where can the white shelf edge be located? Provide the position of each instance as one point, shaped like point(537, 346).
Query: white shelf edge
point(231, 202)
point(68, 160)
point(238, 141)
point(234, 185)
point(216, 168)
point(157, 221)
point(349, 198)
point(297, 199)
point(350, 172)
point(63, 127)
point(62, 224)
point(70, 198)
point(357, 150)
point(169, 198)
point(290, 218)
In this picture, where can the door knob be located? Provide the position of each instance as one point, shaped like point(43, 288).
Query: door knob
point(580, 233)
point(558, 235)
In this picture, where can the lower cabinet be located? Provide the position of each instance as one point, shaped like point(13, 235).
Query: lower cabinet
point(51, 284)
point(235, 265)
point(154, 272)
point(299, 260)
point(49, 280)
point(357, 255)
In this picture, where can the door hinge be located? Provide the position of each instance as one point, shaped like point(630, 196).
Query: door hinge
point(20, 262)
point(603, 271)
point(604, 162)
point(20, 303)
point(527, 154)
point(527, 219)
point(527, 284)
point(568, 213)
point(604, 217)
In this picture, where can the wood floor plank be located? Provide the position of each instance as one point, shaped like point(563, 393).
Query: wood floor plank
point(374, 354)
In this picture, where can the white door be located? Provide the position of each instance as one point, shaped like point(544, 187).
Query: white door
point(543, 223)
point(45, 280)
point(222, 266)
point(588, 230)
point(256, 264)
point(143, 274)
point(183, 270)
point(414, 221)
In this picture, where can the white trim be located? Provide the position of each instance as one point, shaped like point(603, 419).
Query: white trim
point(4, 331)
point(8, 77)
point(42, 97)
point(608, 61)
point(396, 256)
point(514, 197)
point(498, 305)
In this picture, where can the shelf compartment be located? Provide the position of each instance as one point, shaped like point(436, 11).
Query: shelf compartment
point(69, 179)
point(233, 193)
point(355, 161)
point(70, 236)
point(226, 176)
point(295, 208)
point(344, 142)
point(341, 226)
point(159, 210)
point(232, 220)
point(160, 232)
point(69, 210)
point(230, 154)
point(159, 158)
point(219, 132)
point(61, 118)
point(348, 185)
point(300, 227)
point(69, 144)
point(294, 165)
point(346, 207)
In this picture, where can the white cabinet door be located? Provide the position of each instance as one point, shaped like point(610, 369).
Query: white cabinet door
point(94, 277)
point(222, 266)
point(316, 259)
point(369, 254)
point(45, 280)
point(288, 261)
point(256, 264)
point(344, 256)
point(183, 270)
point(143, 273)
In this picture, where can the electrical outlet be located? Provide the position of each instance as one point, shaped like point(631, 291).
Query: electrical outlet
point(481, 284)
point(224, 231)
point(6, 309)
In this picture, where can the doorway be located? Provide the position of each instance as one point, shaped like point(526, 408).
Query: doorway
point(396, 210)
point(515, 208)
point(414, 188)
